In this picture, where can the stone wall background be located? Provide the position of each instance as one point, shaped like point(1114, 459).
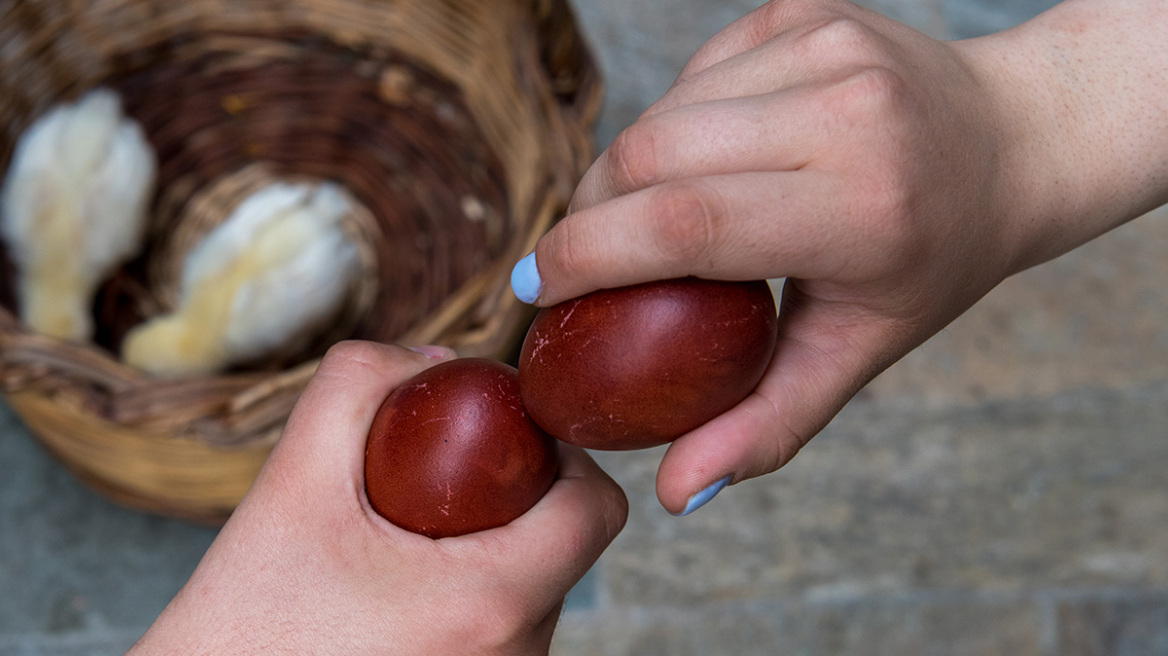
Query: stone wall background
point(1001, 491)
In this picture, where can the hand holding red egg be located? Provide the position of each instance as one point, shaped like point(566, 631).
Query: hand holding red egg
point(639, 366)
point(305, 559)
point(452, 451)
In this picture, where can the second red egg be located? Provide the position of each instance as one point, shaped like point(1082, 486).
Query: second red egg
point(451, 451)
point(639, 366)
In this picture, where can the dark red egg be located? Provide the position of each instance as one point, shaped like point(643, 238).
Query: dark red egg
point(452, 451)
point(639, 366)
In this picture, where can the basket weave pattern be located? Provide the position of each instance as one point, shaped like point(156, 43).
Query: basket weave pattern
point(460, 126)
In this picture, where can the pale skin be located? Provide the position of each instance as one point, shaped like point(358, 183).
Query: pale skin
point(305, 566)
point(892, 179)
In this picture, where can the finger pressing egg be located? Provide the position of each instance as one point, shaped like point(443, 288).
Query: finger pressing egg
point(640, 366)
point(452, 451)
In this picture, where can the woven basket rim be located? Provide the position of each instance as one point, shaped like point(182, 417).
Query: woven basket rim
point(537, 111)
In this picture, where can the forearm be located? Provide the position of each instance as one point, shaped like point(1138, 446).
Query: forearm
point(1082, 97)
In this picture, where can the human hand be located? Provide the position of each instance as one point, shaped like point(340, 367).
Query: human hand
point(305, 566)
point(892, 179)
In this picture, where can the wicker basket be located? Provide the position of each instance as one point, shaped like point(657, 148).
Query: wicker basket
point(461, 126)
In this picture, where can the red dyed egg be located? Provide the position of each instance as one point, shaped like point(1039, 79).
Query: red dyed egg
point(452, 451)
point(640, 366)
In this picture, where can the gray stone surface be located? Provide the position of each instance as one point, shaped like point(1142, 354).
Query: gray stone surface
point(928, 17)
point(1120, 625)
point(999, 491)
point(73, 567)
point(918, 626)
point(82, 643)
point(1093, 318)
point(970, 18)
point(1002, 497)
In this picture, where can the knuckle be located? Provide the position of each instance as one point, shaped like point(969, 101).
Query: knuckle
point(633, 161)
point(874, 92)
point(361, 359)
point(685, 220)
point(842, 36)
point(348, 354)
point(751, 31)
point(766, 21)
point(871, 103)
point(562, 252)
point(889, 213)
point(706, 55)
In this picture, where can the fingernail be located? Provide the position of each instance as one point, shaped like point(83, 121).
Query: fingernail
point(431, 351)
point(702, 498)
point(525, 280)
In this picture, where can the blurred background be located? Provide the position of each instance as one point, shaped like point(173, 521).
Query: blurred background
point(999, 491)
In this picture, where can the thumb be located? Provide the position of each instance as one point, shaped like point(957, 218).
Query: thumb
point(826, 352)
point(322, 447)
point(547, 550)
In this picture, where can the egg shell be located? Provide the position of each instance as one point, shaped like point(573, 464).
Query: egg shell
point(452, 451)
point(639, 366)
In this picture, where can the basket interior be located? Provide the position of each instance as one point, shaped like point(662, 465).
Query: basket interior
point(460, 126)
point(399, 137)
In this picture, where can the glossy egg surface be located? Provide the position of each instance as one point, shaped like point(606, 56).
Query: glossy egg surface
point(639, 366)
point(452, 451)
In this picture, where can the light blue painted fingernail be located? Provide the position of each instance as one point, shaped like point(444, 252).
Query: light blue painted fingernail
point(702, 498)
point(525, 280)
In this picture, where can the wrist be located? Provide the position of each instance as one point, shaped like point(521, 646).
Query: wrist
point(1081, 121)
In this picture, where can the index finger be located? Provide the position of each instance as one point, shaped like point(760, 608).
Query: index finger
point(746, 226)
